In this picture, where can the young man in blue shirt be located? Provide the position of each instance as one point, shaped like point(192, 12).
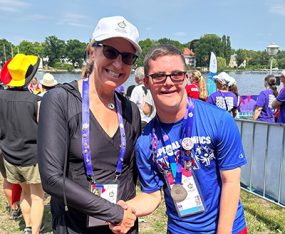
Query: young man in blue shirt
point(192, 150)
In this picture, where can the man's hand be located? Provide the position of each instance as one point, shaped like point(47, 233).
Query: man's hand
point(128, 219)
point(125, 206)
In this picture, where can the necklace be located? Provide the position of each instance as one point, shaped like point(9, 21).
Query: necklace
point(111, 106)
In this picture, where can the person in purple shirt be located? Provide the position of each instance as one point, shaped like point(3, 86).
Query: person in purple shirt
point(277, 110)
point(224, 98)
point(279, 101)
point(263, 110)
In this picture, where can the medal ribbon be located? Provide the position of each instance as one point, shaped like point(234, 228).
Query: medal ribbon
point(85, 132)
point(176, 168)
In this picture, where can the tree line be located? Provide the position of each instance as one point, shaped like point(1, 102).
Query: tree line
point(70, 54)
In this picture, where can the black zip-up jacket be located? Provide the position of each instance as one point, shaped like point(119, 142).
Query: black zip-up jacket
point(59, 138)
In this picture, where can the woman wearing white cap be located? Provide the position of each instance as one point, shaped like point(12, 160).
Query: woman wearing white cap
point(87, 135)
point(224, 98)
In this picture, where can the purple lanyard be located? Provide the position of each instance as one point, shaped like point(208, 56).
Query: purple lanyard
point(85, 132)
point(176, 168)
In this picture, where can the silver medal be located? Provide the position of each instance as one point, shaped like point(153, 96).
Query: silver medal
point(178, 193)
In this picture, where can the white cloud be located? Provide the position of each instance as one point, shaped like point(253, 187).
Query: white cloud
point(12, 5)
point(278, 9)
point(75, 20)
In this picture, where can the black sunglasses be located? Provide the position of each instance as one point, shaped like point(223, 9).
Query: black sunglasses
point(112, 53)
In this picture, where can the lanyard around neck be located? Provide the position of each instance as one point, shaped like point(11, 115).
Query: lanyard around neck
point(86, 135)
point(176, 168)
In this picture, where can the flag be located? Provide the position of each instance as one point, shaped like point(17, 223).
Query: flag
point(212, 72)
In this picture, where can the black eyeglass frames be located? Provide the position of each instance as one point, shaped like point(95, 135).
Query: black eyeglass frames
point(112, 53)
point(160, 77)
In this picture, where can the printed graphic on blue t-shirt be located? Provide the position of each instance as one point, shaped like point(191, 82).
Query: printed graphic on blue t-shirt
point(217, 146)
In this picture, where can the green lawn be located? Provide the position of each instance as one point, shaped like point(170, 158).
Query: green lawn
point(262, 217)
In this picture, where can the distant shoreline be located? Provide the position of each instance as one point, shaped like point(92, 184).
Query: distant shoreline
point(274, 72)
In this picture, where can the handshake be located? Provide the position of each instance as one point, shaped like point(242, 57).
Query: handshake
point(128, 220)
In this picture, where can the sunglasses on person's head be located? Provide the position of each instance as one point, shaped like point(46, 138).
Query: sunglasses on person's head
point(112, 53)
point(160, 77)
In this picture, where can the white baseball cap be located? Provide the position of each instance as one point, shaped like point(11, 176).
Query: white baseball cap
point(117, 26)
point(224, 78)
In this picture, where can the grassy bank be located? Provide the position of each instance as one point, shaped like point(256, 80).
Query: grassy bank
point(262, 217)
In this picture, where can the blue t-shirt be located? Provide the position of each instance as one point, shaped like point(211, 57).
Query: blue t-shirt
point(281, 98)
point(264, 100)
point(217, 146)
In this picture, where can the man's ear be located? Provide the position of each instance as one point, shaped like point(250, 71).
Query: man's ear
point(146, 82)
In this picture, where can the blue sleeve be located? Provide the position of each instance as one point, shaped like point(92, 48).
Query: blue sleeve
point(149, 177)
point(230, 152)
point(281, 96)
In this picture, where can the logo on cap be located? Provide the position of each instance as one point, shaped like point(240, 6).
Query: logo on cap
point(122, 24)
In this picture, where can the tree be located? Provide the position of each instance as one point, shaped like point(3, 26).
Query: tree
point(146, 45)
point(207, 44)
point(241, 56)
point(29, 48)
point(167, 41)
point(193, 45)
point(227, 49)
point(54, 48)
point(75, 52)
point(6, 48)
point(221, 63)
point(281, 63)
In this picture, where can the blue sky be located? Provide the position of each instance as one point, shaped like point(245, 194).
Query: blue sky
point(251, 24)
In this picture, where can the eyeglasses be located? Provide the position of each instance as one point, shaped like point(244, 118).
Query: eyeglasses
point(112, 53)
point(161, 77)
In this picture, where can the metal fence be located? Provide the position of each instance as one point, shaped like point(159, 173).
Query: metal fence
point(264, 174)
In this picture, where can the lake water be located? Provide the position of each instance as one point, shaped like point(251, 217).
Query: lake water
point(249, 83)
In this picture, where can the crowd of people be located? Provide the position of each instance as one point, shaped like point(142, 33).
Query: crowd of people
point(87, 142)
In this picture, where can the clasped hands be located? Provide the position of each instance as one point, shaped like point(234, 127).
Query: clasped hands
point(128, 220)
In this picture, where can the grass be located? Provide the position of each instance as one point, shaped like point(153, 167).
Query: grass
point(262, 217)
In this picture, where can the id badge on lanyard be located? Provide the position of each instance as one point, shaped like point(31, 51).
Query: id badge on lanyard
point(181, 182)
point(186, 196)
point(106, 191)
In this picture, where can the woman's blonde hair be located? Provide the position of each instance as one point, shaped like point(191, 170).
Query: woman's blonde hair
point(88, 67)
point(201, 85)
